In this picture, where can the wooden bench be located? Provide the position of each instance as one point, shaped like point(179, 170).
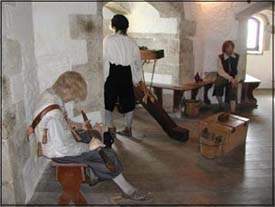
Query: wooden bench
point(248, 86)
point(247, 99)
point(180, 89)
point(70, 176)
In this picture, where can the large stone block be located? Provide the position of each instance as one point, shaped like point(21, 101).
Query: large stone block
point(19, 145)
point(186, 71)
point(167, 9)
point(6, 93)
point(172, 59)
point(17, 88)
point(20, 111)
point(20, 194)
point(85, 26)
point(8, 123)
point(147, 42)
point(95, 51)
point(186, 46)
point(12, 57)
point(7, 173)
point(106, 27)
point(170, 69)
point(173, 47)
point(17, 163)
point(94, 100)
point(93, 70)
point(95, 105)
point(85, 70)
point(187, 27)
point(33, 168)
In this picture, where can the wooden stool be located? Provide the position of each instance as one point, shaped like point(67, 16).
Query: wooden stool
point(70, 176)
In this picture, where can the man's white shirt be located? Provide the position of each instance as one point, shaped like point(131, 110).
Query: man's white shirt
point(122, 50)
point(60, 141)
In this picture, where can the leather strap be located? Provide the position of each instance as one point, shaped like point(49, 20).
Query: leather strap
point(38, 118)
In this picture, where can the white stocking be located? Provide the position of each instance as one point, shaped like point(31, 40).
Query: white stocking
point(124, 185)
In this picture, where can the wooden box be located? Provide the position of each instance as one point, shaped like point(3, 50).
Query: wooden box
point(151, 54)
point(191, 108)
point(220, 137)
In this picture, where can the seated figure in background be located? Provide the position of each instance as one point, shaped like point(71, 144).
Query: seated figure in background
point(227, 75)
point(56, 141)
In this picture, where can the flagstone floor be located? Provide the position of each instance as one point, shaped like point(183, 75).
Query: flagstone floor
point(176, 173)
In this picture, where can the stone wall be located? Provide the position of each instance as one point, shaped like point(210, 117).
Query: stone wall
point(256, 63)
point(169, 65)
point(73, 43)
point(187, 30)
point(169, 42)
point(20, 88)
point(93, 69)
point(41, 41)
point(155, 26)
point(217, 22)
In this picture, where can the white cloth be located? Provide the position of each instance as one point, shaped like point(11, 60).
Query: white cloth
point(221, 71)
point(109, 119)
point(122, 50)
point(60, 141)
point(95, 144)
point(128, 119)
point(124, 185)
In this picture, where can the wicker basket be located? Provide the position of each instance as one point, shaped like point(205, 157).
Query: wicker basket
point(191, 108)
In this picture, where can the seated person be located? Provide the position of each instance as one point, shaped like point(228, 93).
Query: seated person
point(54, 134)
point(227, 75)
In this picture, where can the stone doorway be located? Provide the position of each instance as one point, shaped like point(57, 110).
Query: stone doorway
point(155, 26)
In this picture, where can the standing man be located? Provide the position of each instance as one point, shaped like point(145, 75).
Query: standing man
point(227, 75)
point(123, 70)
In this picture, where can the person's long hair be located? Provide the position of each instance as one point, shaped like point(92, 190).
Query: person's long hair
point(71, 83)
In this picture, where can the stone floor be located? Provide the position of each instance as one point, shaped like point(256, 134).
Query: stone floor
point(176, 173)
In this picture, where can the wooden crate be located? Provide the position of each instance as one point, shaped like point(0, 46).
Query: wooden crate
point(151, 54)
point(210, 149)
point(191, 108)
point(231, 133)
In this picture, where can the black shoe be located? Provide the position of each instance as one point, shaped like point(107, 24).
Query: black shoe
point(108, 139)
point(137, 196)
point(112, 131)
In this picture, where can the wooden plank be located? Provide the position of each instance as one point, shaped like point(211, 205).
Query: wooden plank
point(184, 87)
point(151, 54)
point(160, 115)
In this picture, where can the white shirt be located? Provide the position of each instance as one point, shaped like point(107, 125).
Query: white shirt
point(122, 50)
point(60, 141)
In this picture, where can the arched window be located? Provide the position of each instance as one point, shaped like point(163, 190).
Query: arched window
point(254, 35)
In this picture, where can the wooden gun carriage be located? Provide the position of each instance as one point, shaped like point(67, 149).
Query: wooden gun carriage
point(154, 106)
